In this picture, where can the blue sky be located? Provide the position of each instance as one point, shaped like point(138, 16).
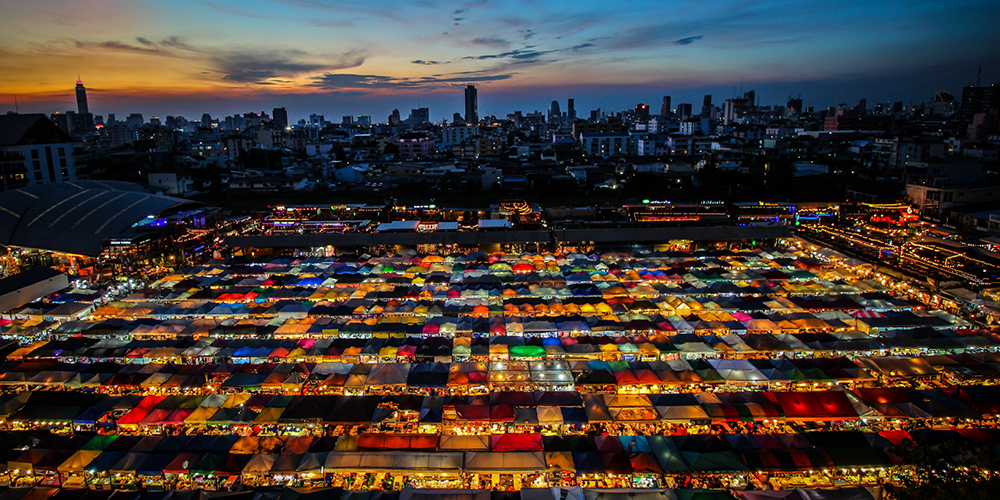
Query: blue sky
point(367, 57)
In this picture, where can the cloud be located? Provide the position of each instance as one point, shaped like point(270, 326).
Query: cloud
point(490, 41)
point(119, 47)
point(687, 41)
point(145, 41)
point(177, 43)
point(425, 63)
point(247, 66)
point(341, 81)
point(581, 46)
point(522, 54)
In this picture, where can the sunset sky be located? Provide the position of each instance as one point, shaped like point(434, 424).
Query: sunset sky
point(186, 57)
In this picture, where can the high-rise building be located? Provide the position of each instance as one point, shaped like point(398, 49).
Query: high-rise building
point(81, 99)
point(394, 118)
point(347, 121)
point(642, 112)
point(40, 151)
point(794, 106)
point(421, 115)
point(134, 121)
point(280, 117)
point(706, 106)
point(684, 109)
point(737, 108)
point(471, 105)
point(554, 114)
point(206, 120)
point(665, 107)
point(570, 110)
point(83, 121)
point(979, 100)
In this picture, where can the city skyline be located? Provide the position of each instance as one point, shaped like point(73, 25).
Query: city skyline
point(338, 58)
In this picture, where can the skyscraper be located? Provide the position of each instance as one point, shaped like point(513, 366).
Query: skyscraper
point(82, 120)
point(471, 105)
point(420, 115)
point(554, 114)
point(570, 110)
point(665, 107)
point(979, 100)
point(642, 112)
point(280, 117)
point(81, 99)
point(706, 106)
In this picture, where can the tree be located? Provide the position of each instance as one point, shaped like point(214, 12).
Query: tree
point(948, 471)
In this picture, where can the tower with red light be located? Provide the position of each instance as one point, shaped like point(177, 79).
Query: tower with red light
point(81, 99)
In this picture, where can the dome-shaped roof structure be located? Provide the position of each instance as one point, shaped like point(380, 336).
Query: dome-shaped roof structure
point(76, 217)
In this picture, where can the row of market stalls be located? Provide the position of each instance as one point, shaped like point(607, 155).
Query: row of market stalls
point(329, 493)
point(389, 348)
point(460, 378)
point(723, 370)
point(455, 461)
point(496, 412)
point(212, 320)
point(311, 378)
point(416, 301)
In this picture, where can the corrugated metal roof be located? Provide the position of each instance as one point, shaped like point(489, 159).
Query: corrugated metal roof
point(75, 217)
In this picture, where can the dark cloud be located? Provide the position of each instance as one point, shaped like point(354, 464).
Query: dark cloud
point(253, 67)
point(120, 47)
point(147, 46)
point(522, 54)
point(177, 43)
point(490, 41)
point(244, 65)
point(687, 41)
point(340, 81)
point(425, 63)
point(581, 46)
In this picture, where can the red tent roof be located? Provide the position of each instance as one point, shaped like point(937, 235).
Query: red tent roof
point(516, 442)
point(825, 405)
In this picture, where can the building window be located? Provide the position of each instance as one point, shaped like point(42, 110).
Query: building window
point(62, 151)
point(62, 162)
point(34, 153)
point(37, 165)
point(38, 176)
